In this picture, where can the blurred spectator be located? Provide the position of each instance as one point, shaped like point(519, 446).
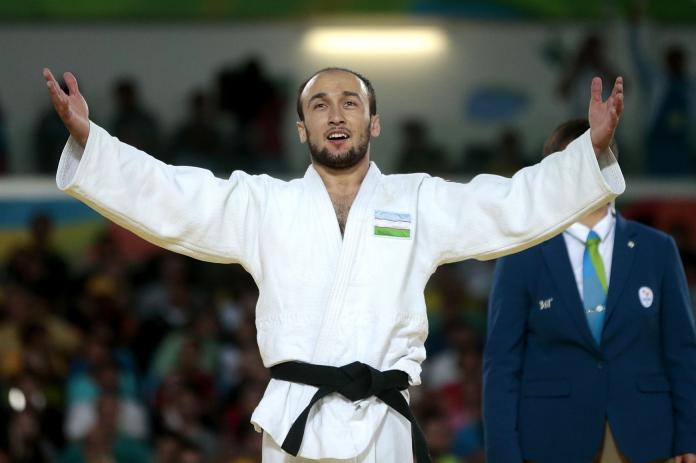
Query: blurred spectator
point(168, 448)
point(26, 392)
point(4, 146)
point(508, 154)
point(25, 442)
point(197, 141)
point(256, 105)
point(166, 304)
point(103, 377)
point(105, 441)
point(589, 61)
point(503, 156)
point(190, 358)
point(37, 265)
point(50, 136)
point(444, 367)
point(26, 315)
point(132, 123)
point(417, 152)
point(439, 436)
point(180, 410)
point(670, 116)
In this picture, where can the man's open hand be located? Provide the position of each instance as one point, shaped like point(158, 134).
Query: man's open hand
point(604, 115)
point(72, 108)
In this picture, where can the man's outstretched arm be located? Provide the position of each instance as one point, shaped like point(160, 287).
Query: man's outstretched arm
point(183, 209)
point(492, 216)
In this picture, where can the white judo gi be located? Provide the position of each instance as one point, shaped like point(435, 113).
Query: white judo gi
point(329, 300)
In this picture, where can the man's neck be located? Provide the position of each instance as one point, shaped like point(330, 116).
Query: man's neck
point(594, 217)
point(343, 182)
point(343, 186)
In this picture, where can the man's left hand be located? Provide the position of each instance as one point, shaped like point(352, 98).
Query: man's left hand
point(604, 115)
point(686, 458)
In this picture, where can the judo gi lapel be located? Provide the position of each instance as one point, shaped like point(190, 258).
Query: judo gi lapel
point(349, 246)
point(556, 256)
point(621, 263)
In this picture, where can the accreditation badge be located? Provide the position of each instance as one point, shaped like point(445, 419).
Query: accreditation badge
point(645, 295)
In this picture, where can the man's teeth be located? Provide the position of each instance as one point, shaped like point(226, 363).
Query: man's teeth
point(338, 136)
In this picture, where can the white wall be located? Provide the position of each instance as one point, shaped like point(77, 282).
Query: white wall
point(170, 59)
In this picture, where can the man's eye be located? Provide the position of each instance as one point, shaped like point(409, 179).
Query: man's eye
point(319, 105)
point(350, 103)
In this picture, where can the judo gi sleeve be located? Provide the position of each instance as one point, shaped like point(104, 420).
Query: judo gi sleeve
point(492, 216)
point(183, 209)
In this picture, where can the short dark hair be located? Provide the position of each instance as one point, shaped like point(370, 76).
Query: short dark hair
point(566, 133)
point(370, 89)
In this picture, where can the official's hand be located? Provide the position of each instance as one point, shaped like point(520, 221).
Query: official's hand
point(72, 108)
point(604, 115)
point(686, 458)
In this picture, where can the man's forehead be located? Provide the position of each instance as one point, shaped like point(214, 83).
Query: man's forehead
point(334, 81)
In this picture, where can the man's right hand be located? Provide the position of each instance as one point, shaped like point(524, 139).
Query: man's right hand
point(72, 108)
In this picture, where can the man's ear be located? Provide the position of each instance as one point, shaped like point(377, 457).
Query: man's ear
point(301, 131)
point(375, 126)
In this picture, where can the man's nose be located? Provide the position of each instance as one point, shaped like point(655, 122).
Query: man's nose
point(336, 116)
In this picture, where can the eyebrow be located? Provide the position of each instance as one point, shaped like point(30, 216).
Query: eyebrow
point(323, 95)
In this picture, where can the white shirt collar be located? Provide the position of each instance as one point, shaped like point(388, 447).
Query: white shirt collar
point(602, 228)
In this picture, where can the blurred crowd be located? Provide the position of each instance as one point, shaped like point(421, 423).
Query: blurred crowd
point(104, 358)
point(238, 122)
point(110, 358)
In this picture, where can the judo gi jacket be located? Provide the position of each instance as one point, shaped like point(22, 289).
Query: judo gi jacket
point(325, 298)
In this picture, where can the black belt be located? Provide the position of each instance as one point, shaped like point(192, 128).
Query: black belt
point(355, 381)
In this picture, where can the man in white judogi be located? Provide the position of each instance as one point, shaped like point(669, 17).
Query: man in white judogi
point(340, 256)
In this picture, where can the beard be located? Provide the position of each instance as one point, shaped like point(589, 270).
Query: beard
point(341, 160)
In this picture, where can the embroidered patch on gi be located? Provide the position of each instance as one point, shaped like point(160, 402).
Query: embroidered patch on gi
point(645, 295)
point(394, 224)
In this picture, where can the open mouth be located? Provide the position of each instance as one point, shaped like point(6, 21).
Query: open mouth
point(337, 136)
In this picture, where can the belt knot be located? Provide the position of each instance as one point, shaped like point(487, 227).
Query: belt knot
point(361, 381)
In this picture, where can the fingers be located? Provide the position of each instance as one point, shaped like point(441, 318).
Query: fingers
point(52, 84)
point(48, 75)
point(617, 97)
point(58, 98)
point(597, 89)
point(618, 87)
point(71, 81)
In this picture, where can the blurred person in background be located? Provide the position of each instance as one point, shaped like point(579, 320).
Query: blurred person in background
point(24, 440)
point(168, 303)
point(5, 144)
point(439, 435)
point(32, 335)
point(180, 410)
point(589, 60)
point(198, 140)
point(105, 441)
point(670, 112)
point(336, 289)
point(86, 390)
point(256, 106)
point(508, 152)
point(132, 122)
point(418, 153)
point(191, 353)
point(591, 349)
point(37, 265)
point(167, 448)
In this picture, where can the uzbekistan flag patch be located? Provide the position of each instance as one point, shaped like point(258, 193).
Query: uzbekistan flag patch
point(394, 224)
